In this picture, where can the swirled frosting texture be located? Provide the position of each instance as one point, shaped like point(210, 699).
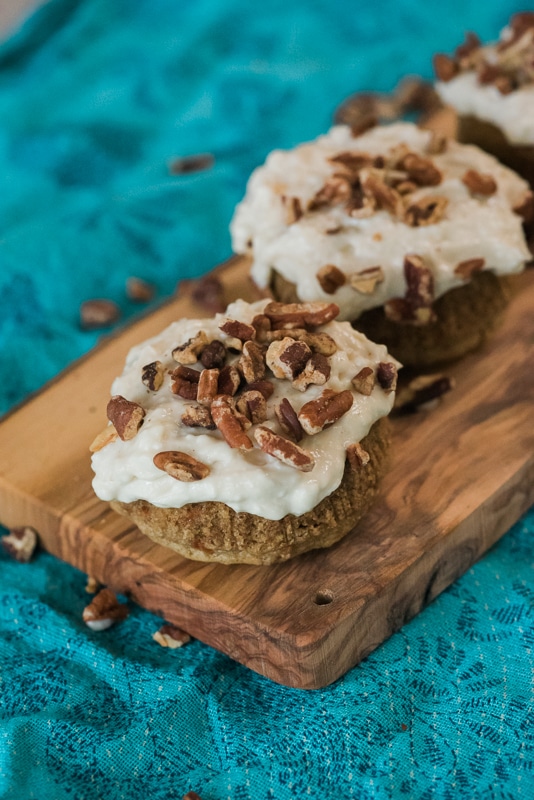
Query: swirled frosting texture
point(253, 481)
point(471, 226)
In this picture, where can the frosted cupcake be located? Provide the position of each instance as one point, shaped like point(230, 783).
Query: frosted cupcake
point(411, 235)
point(492, 89)
point(250, 437)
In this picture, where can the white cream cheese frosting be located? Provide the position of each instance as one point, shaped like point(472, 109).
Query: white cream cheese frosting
point(471, 227)
point(251, 481)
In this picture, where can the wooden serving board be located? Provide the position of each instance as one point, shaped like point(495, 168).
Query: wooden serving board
point(461, 475)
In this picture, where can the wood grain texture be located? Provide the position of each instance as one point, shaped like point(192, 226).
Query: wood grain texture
point(460, 476)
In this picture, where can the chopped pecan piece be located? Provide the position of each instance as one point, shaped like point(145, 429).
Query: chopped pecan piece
point(366, 280)
point(386, 375)
point(293, 209)
point(265, 387)
point(181, 466)
point(477, 183)
point(184, 165)
point(171, 636)
point(318, 341)
point(330, 278)
point(466, 269)
point(98, 313)
point(138, 290)
point(352, 161)
point(198, 417)
point(364, 381)
point(92, 586)
point(336, 190)
point(262, 325)
point(357, 456)
point(105, 437)
point(251, 362)
point(525, 209)
point(20, 543)
point(288, 419)
point(384, 196)
point(213, 355)
point(287, 358)
point(208, 386)
point(426, 211)
point(253, 405)
point(230, 423)
point(325, 410)
point(189, 352)
point(316, 372)
point(304, 314)
point(437, 144)
point(229, 380)
point(238, 330)
point(126, 416)
point(208, 292)
point(283, 449)
point(104, 610)
point(445, 67)
point(152, 375)
point(416, 306)
point(421, 171)
point(184, 382)
point(423, 390)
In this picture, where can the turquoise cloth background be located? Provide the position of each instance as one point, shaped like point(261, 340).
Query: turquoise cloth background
point(96, 96)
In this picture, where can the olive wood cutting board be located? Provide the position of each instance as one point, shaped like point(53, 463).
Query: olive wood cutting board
point(461, 474)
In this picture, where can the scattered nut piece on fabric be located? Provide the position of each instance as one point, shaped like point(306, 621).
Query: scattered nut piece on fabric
point(171, 636)
point(104, 611)
point(98, 313)
point(138, 290)
point(92, 586)
point(185, 165)
point(20, 543)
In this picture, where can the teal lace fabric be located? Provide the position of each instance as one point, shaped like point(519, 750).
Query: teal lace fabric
point(96, 99)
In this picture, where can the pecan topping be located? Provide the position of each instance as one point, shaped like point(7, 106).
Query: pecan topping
point(229, 380)
point(283, 449)
point(293, 209)
point(316, 371)
point(287, 357)
point(198, 417)
point(138, 290)
point(172, 637)
point(229, 422)
point(364, 381)
point(208, 386)
point(251, 362)
point(208, 292)
point(20, 543)
point(477, 183)
point(383, 195)
point(214, 355)
point(466, 269)
point(304, 314)
point(104, 610)
point(288, 419)
point(152, 375)
point(386, 375)
point(187, 164)
point(105, 437)
point(265, 387)
point(188, 352)
point(252, 404)
point(330, 278)
point(426, 211)
point(357, 456)
point(421, 171)
point(445, 67)
point(184, 382)
point(526, 208)
point(325, 410)
point(238, 330)
point(262, 325)
point(366, 281)
point(98, 313)
point(423, 390)
point(351, 161)
point(416, 306)
point(437, 144)
point(316, 340)
point(181, 466)
point(126, 416)
point(336, 190)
